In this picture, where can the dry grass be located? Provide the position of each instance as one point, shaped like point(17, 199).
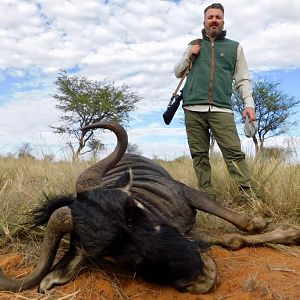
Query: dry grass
point(24, 182)
point(253, 284)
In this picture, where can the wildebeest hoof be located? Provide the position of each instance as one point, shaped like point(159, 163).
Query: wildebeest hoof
point(257, 224)
point(45, 284)
point(233, 241)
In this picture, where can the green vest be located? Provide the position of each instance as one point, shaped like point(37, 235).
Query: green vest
point(210, 79)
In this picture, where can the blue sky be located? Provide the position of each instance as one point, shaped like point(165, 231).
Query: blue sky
point(132, 42)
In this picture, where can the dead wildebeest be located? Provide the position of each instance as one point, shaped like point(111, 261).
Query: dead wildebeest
point(128, 208)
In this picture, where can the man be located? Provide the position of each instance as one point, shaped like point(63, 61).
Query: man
point(218, 62)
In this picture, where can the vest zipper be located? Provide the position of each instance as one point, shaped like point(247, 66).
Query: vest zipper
point(212, 71)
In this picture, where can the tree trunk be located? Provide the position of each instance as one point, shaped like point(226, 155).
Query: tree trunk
point(255, 141)
point(212, 143)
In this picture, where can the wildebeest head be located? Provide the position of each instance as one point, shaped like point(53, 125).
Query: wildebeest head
point(122, 228)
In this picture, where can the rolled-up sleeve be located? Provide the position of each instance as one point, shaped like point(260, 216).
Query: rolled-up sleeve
point(242, 79)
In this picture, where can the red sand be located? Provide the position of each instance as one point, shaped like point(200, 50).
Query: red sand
point(249, 273)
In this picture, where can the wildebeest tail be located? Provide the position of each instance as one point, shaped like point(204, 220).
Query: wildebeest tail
point(41, 215)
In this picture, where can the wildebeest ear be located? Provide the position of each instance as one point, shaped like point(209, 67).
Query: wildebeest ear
point(125, 181)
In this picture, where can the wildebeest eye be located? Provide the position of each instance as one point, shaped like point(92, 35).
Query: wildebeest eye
point(129, 222)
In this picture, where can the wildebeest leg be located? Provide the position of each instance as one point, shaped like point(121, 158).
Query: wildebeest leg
point(202, 202)
point(64, 270)
point(287, 235)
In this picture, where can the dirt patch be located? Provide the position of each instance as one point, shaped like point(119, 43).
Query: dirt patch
point(249, 273)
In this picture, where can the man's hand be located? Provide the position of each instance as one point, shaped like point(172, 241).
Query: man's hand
point(250, 112)
point(195, 49)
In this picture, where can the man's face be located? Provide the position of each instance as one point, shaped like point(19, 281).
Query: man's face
point(213, 22)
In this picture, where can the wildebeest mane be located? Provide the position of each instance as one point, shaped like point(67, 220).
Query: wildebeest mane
point(41, 214)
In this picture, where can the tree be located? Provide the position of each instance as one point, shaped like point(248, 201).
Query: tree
point(96, 146)
point(83, 102)
point(133, 149)
point(25, 151)
point(273, 110)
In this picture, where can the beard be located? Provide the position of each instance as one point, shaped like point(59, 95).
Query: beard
point(213, 30)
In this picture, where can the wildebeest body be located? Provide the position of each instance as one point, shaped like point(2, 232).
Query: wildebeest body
point(163, 198)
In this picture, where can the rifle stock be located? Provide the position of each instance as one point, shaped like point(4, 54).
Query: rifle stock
point(171, 110)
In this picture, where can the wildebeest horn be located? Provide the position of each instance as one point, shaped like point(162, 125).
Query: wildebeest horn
point(92, 177)
point(59, 224)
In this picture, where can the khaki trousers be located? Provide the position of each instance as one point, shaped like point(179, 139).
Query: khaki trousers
point(224, 130)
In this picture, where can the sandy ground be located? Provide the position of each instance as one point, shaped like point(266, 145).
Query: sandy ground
point(249, 273)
